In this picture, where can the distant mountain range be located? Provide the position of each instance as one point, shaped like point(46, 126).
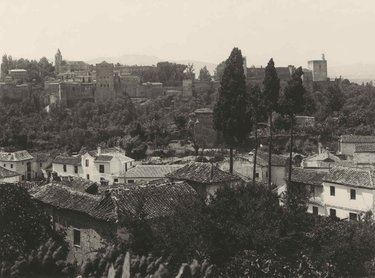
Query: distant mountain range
point(355, 72)
point(145, 60)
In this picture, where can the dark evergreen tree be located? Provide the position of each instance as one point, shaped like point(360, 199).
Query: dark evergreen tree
point(204, 74)
point(231, 112)
point(271, 85)
point(291, 103)
point(259, 113)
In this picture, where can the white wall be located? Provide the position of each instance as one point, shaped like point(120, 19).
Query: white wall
point(343, 204)
point(59, 169)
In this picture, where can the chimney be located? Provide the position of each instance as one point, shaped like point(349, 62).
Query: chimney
point(99, 150)
point(320, 147)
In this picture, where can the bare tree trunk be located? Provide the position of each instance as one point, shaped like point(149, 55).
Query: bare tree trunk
point(231, 160)
point(270, 153)
point(290, 149)
point(255, 154)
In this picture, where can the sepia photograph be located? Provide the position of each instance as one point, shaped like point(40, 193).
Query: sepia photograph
point(187, 138)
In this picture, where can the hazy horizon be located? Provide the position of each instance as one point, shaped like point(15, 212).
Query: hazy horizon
point(292, 32)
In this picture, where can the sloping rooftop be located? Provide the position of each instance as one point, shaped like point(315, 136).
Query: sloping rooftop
point(117, 204)
point(105, 153)
point(5, 173)
point(325, 156)
point(307, 176)
point(151, 171)
point(104, 158)
point(15, 156)
point(68, 160)
point(202, 173)
point(355, 177)
point(357, 139)
point(367, 148)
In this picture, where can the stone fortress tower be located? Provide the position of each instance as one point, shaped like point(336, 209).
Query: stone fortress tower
point(58, 61)
point(318, 69)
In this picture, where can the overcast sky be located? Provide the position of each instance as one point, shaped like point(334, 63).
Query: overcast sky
point(290, 31)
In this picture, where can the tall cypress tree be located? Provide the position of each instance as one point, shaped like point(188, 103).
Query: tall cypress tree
point(231, 112)
point(271, 85)
point(291, 103)
point(258, 113)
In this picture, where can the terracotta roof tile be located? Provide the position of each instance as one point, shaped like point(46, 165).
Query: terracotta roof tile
point(5, 173)
point(69, 160)
point(356, 177)
point(202, 173)
point(151, 171)
point(15, 156)
point(307, 176)
point(117, 204)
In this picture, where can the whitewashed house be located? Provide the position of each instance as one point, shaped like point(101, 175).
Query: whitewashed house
point(67, 166)
point(19, 162)
point(349, 192)
point(106, 166)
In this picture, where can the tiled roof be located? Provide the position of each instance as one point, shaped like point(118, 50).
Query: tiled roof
point(368, 148)
point(276, 160)
point(61, 196)
point(113, 152)
point(357, 139)
point(69, 160)
point(307, 176)
point(104, 158)
point(151, 171)
point(15, 156)
point(5, 173)
point(157, 200)
point(79, 184)
point(117, 204)
point(202, 173)
point(323, 156)
point(351, 176)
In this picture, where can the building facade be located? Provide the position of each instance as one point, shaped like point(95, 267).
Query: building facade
point(19, 162)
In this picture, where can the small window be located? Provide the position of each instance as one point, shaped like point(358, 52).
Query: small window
point(352, 194)
point(257, 175)
point(11, 166)
point(77, 237)
point(126, 167)
point(76, 169)
point(5, 165)
point(332, 190)
point(101, 168)
point(353, 216)
point(130, 181)
point(332, 212)
point(88, 176)
point(64, 168)
point(315, 210)
point(40, 165)
point(87, 163)
point(115, 180)
point(23, 177)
